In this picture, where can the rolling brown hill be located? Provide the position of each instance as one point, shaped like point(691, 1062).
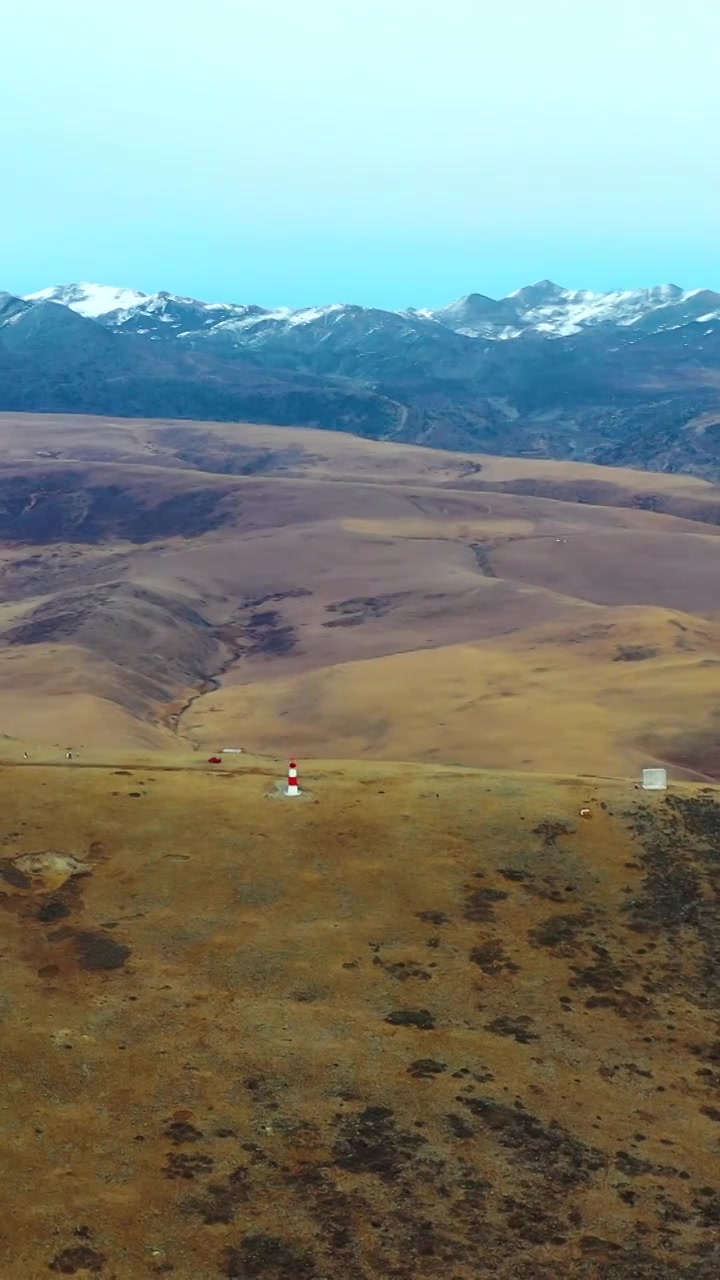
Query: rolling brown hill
point(427, 1023)
point(607, 692)
point(292, 589)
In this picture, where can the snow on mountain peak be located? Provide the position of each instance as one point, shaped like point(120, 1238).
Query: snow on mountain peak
point(90, 300)
point(551, 310)
point(543, 308)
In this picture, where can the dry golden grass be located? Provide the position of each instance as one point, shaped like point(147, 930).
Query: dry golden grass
point(358, 598)
point(200, 1078)
point(64, 696)
point(614, 690)
point(324, 455)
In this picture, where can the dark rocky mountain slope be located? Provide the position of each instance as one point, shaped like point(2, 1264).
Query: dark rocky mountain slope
point(622, 379)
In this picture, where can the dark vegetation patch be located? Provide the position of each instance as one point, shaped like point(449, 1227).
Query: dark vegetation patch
point(220, 1201)
point(561, 933)
point(649, 501)
point(707, 1207)
point(481, 551)
point(331, 1207)
point(672, 892)
point(275, 597)
point(67, 506)
point(420, 1018)
point(603, 975)
point(255, 1153)
point(459, 1127)
point(707, 1052)
point(13, 876)
point(181, 1131)
point(625, 1004)
point(262, 633)
point(361, 609)
point(335, 1212)
point(518, 1028)
point(353, 620)
point(262, 1257)
point(186, 1166)
point(609, 1073)
point(635, 652)
point(402, 970)
point(533, 1223)
point(700, 815)
point(94, 951)
point(79, 1257)
point(679, 897)
point(267, 634)
point(548, 888)
point(636, 1262)
point(632, 1166)
point(479, 905)
point(116, 606)
point(433, 917)
point(56, 908)
point(210, 452)
point(426, 1068)
point(493, 959)
point(546, 1149)
point(550, 832)
point(481, 1074)
point(370, 1142)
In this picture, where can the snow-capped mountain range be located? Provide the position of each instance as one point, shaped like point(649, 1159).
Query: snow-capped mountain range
point(544, 309)
point(628, 377)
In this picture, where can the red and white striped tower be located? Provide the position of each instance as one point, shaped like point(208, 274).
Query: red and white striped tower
point(292, 788)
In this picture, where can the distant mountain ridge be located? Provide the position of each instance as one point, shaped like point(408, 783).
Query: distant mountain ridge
point(544, 307)
point(627, 377)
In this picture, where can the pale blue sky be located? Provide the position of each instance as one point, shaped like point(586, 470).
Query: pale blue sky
point(389, 152)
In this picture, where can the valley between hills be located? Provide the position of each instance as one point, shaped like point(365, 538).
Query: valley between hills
point(170, 585)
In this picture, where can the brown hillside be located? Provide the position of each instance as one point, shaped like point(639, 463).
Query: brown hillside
point(427, 1023)
point(607, 693)
point(170, 581)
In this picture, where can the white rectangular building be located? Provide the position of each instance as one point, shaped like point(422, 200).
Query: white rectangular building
point(654, 779)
